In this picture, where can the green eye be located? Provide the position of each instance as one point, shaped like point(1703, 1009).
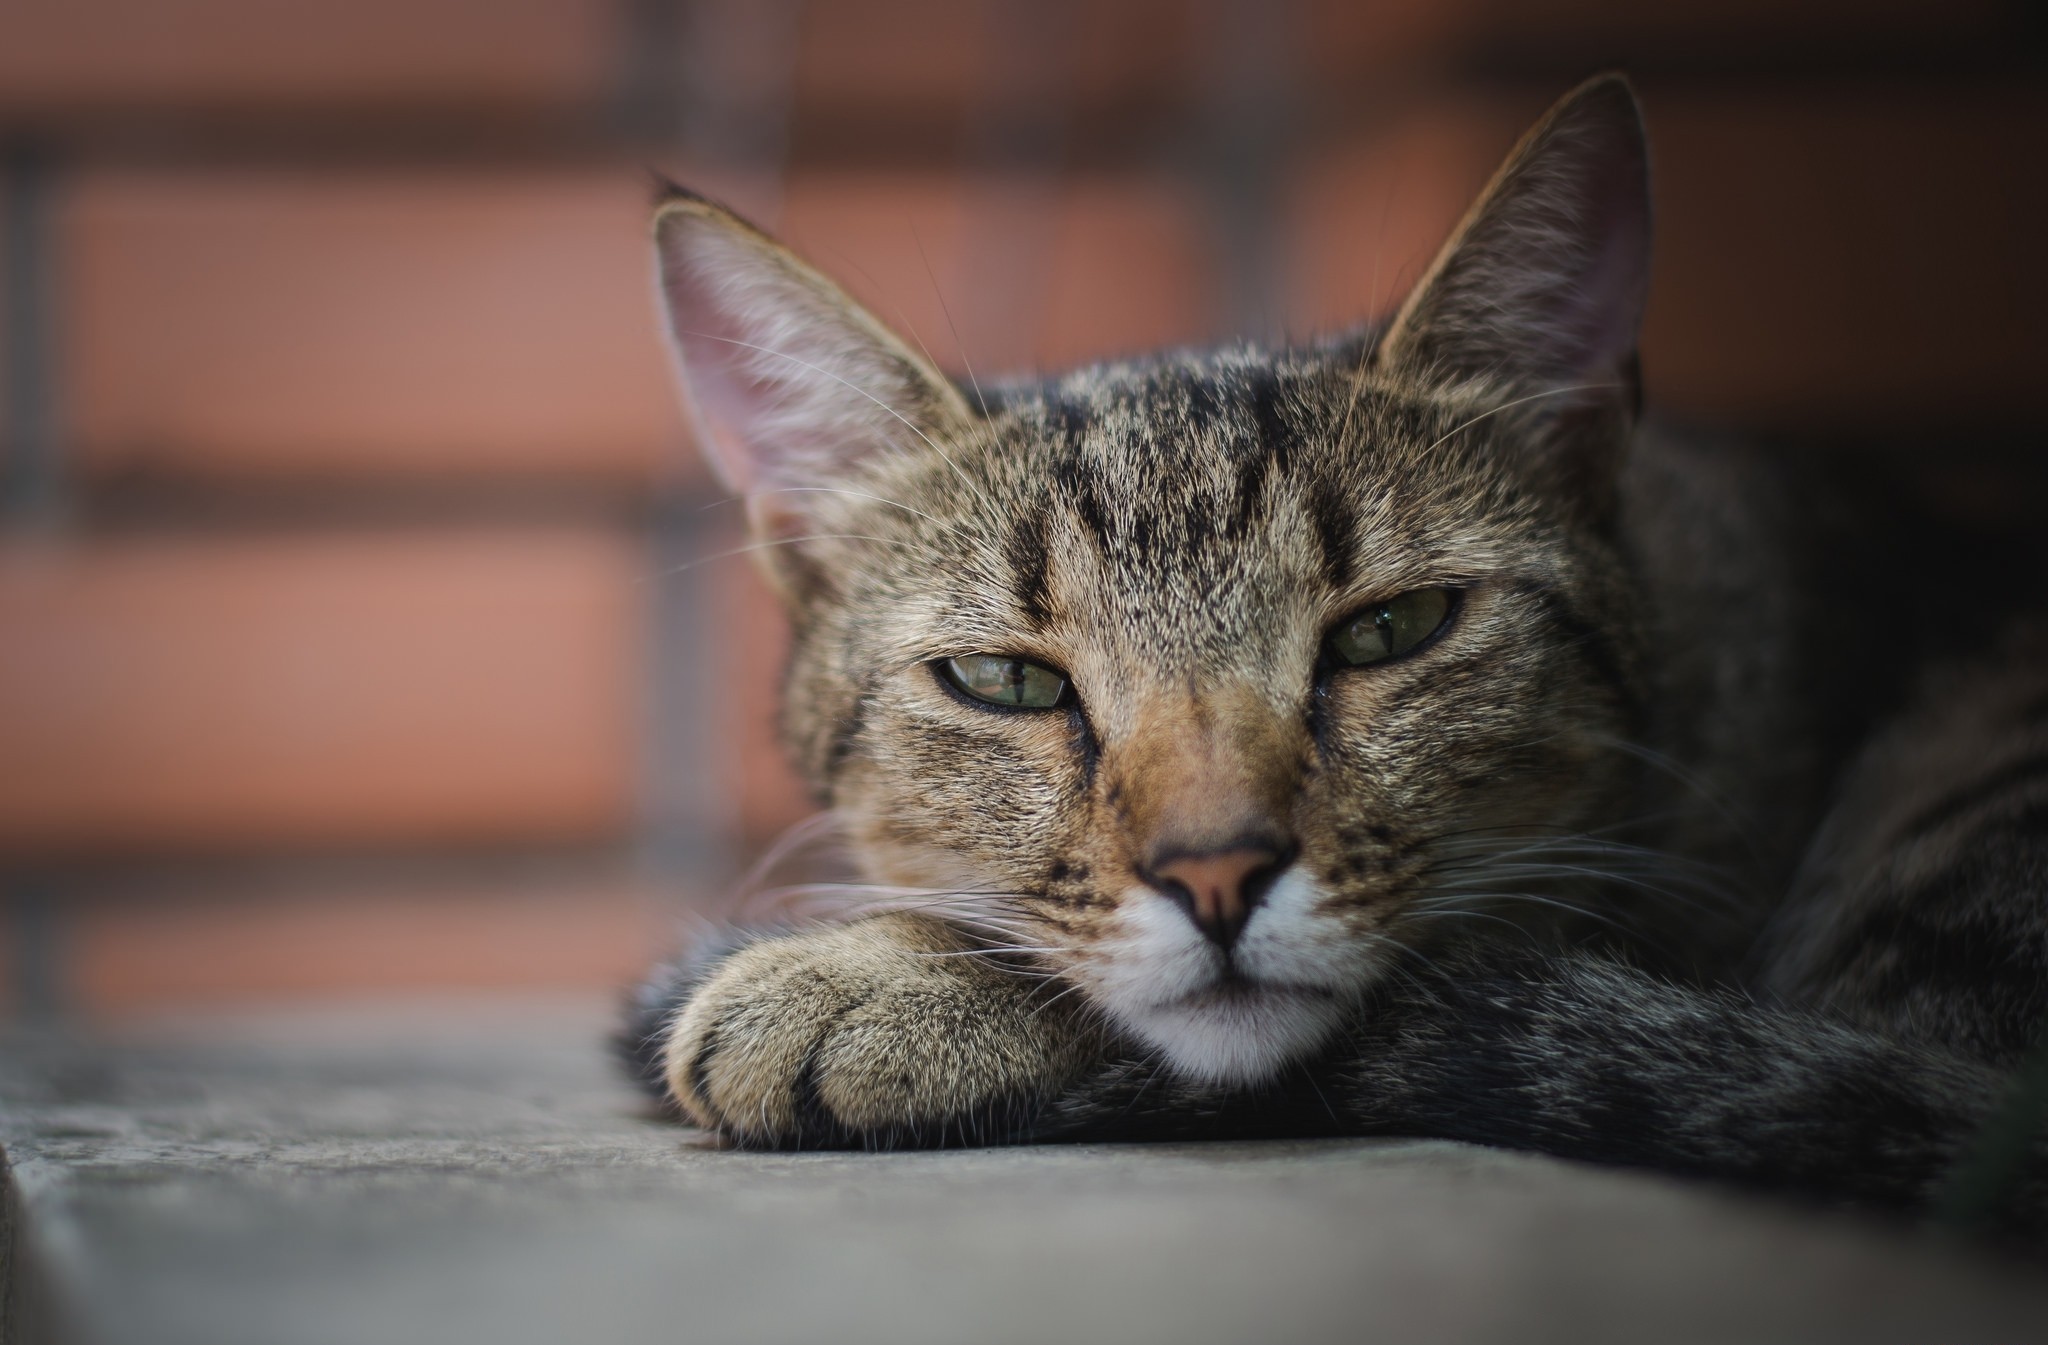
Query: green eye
point(1392, 628)
point(1002, 680)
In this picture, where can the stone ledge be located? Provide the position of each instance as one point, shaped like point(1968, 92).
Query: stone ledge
point(466, 1172)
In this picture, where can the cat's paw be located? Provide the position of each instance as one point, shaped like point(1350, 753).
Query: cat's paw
point(878, 1032)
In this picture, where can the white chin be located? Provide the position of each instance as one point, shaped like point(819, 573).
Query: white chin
point(1239, 1034)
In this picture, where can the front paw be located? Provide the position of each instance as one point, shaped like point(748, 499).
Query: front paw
point(878, 1032)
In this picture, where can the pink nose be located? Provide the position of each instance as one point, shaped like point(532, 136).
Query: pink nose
point(1220, 889)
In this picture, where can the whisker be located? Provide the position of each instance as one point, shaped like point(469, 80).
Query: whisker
point(792, 838)
point(864, 495)
point(1518, 401)
point(1463, 913)
point(951, 326)
point(1739, 823)
point(1538, 870)
point(1409, 950)
point(1019, 948)
point(1430, 906)
point(1047, 1004)
point(1357, 379)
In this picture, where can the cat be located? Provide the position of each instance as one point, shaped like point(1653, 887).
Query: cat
point(1395, 734)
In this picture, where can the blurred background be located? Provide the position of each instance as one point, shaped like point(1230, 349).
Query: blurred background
point(352, 637)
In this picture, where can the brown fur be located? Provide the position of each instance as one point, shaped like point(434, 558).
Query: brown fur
point(1625, 733)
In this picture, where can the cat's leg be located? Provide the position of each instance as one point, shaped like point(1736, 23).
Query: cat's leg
point(888, 1031)
point(1582, 1057)
point(870, 1034)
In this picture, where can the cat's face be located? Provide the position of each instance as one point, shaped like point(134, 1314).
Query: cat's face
point(1197, 676)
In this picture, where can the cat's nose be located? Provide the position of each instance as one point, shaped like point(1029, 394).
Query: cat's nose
point(1218, 889)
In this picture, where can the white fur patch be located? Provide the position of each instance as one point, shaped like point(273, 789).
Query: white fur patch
point(1295, 973)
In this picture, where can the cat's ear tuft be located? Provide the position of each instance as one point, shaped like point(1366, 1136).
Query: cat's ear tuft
point(1542, 284)
point(791, 381)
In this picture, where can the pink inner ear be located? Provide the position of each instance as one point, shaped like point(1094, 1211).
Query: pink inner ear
point(777, 517)
point(720, 385)
point(720, 445)
point(793, 383)
point(725, 399)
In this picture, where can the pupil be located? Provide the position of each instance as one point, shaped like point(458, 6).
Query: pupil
point(1013, 681)
point(1383, 623)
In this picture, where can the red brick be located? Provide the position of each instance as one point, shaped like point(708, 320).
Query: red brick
point(362, 325)
point(60, 54)
point(933, 59)
point(502, 327)
point(6, 392)
point(170, 694)
point(754, 643)
point(937, 61)
point(1005, 275)
point(1367, 216)
point(916, 64)
point(180, 947)
point(1833, 263)
point(1850, 261)
point(919, 51)
point(1132, 54)
point(1609, 29)
point(1130, 271)
point(897, 241)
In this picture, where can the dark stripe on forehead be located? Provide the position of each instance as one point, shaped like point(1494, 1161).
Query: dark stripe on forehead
point(1072, 419)
point(1199, 392)
point(1249, 505)
point(1335, 525)
point(1276, 428)
point(1084, 491)
point(1024, 551)
point(1272, 451)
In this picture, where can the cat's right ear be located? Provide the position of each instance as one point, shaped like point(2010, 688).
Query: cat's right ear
point(792, 383)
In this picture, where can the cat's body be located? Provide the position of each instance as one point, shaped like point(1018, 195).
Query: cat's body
point(1387, 736)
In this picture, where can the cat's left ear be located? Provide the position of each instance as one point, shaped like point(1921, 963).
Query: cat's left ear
point(793, 383)
point(1540, 289)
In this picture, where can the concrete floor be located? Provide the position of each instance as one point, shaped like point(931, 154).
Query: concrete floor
point(474, 1173)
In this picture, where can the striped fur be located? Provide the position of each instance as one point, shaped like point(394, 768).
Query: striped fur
point(1673, 847)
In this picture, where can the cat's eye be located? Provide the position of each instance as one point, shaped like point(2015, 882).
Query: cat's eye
point(1000, 679)
point(1392, 628)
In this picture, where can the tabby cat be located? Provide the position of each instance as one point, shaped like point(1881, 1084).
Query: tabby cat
point(1391, 735)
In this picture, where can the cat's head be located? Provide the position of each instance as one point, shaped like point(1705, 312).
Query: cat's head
point(1198, 673)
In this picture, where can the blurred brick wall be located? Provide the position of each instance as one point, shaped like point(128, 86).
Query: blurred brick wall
point(353, 652)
